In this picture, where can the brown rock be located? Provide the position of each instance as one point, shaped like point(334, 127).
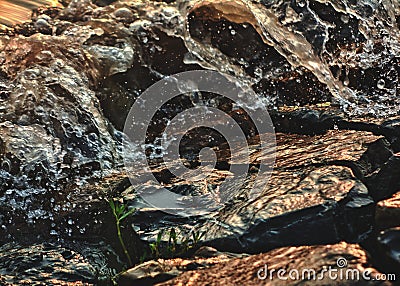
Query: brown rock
point(245, 271)
point(155, 271)
point(388, 212)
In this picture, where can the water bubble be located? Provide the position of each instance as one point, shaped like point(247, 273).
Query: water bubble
point(233, 32)
point(345, 18)
point(258, 72)
point(70, 221)
point(302, 4)
point(381, 84)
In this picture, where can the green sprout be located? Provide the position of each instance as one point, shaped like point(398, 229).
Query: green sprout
point(121, 212)
point(176, 245)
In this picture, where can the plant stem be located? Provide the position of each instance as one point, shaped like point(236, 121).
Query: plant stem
point(123, 244)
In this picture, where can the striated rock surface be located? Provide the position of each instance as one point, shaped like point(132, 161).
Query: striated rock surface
point(44, 264)
point(298, 262)
point(69, 76)
point(388, 212)
point(304, 202)
point(153, 272)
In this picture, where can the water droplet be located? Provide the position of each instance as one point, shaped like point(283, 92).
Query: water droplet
point(70, 221)
point(345, 18)
point(381, 84)
point(258, 72)
point(233, 32)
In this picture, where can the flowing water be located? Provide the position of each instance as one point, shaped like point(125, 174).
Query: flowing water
point(351, 47)
point(56, 146)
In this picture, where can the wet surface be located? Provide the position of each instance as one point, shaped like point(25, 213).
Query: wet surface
point(317, 258)
point(324, 70)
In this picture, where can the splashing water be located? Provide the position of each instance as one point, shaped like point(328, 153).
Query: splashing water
point(351, 48)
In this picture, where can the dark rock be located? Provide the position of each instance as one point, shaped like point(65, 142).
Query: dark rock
point(43, 264)
point(336, 208)
point(67, 73)
point(306, 201)
point(384, 183)
point(389, 249)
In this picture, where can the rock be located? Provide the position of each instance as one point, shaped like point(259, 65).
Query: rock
point(60, 157)
point(114, 60)
point(153, 272)
point(148, 273)
point(389, 250)
point(54, 104)
point(56, 147)
point(44, 264)
point(316, 261)
point(124, 14)
point(306, 212)
point(383, 184)
point(388, 213)
point(309, 199)
point(16, 13)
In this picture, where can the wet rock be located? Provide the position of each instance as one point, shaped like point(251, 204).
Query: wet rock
point(115, 60)
point(56, 142)
point(383, 184)
point(149, 273)
point(321, 205)
point(224, 24)
point(15, 13)
point(44, 264)
point(124, 14)
point(388, 213)
point(53, 110)
point(263, 268)
point(307, 193)
point(298, 150)
point(389, 249)
point(156, 271)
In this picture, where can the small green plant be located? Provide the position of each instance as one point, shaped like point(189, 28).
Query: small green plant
point(155, 247)
point(176, 245)
point(121, 212)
